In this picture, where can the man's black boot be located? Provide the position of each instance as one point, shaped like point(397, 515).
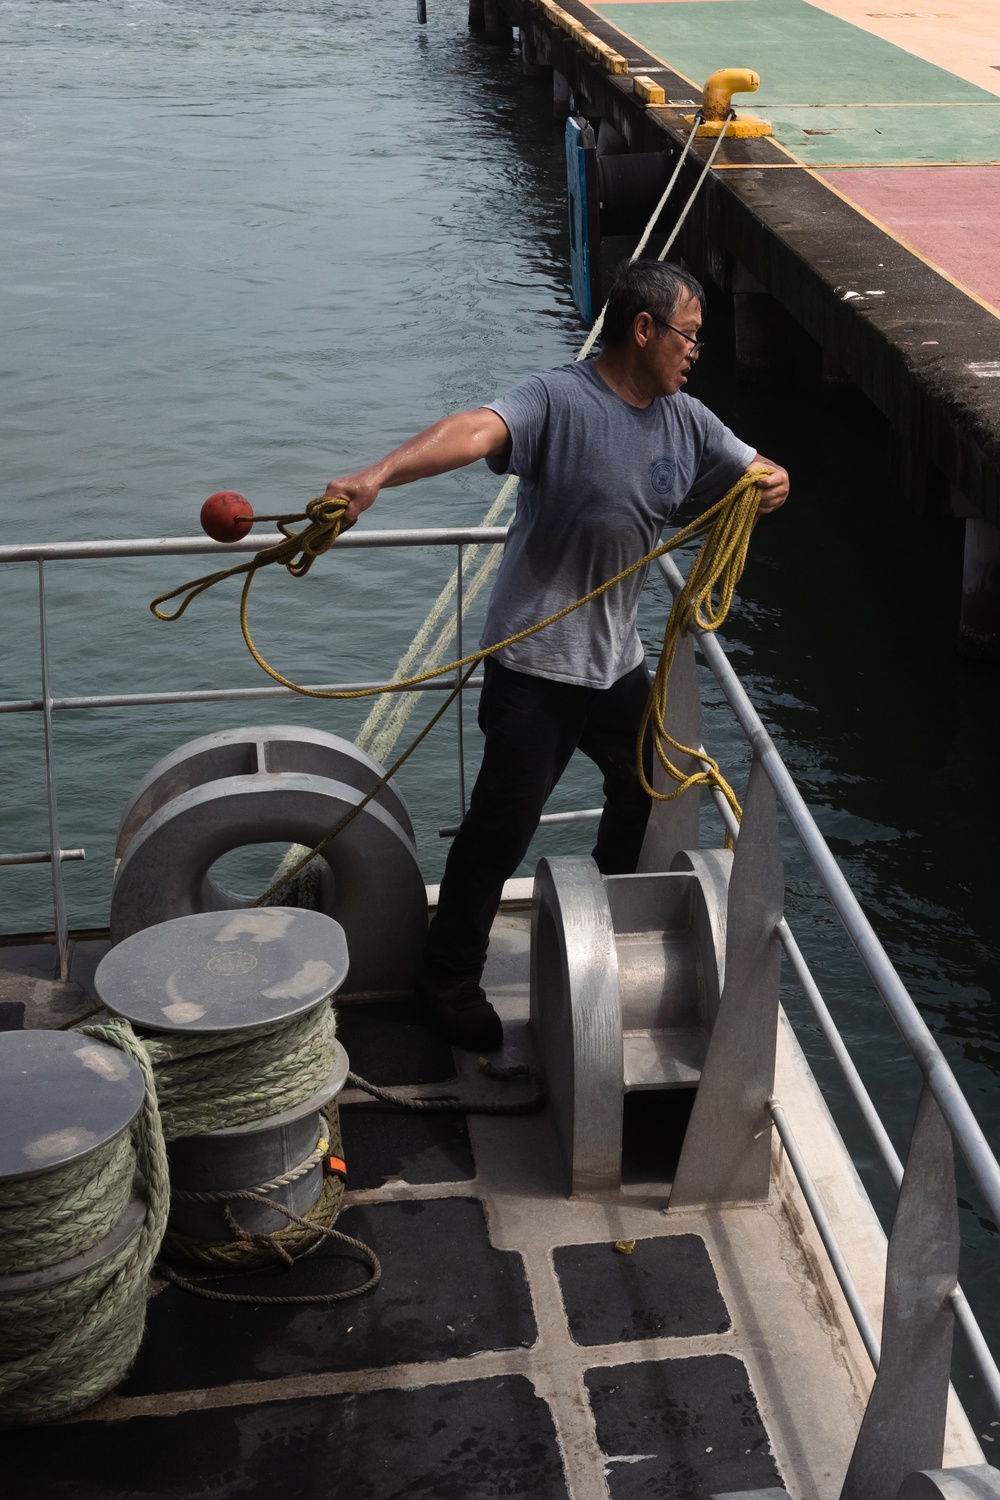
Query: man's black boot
point(458, 1010)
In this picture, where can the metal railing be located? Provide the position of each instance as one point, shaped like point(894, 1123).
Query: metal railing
point(934, 1068)
point(47, 703)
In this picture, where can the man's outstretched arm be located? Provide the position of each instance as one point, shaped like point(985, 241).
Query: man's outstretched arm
point(450, 444)
point(773, 486)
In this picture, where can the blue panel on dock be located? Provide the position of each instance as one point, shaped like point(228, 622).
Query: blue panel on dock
point(579, 240)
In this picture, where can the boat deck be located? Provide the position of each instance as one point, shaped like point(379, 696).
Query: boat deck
point(510, 1349)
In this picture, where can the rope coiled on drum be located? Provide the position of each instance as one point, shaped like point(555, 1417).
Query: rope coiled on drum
point(63, 1212)
point(62, 1346)
point(219, 1079)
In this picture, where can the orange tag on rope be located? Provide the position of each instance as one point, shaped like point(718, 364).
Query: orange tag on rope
point(336, 1167)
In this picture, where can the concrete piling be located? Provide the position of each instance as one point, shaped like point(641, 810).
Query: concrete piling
point(496, 23)
point(560, 95)
point(533, 64)
point(979, 631)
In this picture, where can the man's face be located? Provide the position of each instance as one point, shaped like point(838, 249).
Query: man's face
point(667, 344)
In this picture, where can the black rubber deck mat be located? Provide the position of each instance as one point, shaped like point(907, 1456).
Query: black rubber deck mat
point(381, 1144)
point(665, 1289)
point(35, 959)
point(445, 1294)
point(680, 1428)
point(87, 954)
point(11, 1015)
point(474, 1440)
point(388, 1043)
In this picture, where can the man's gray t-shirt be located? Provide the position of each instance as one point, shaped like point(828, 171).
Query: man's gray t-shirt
point(598, 480)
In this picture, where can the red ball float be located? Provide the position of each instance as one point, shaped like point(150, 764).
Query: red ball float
point(226, 516)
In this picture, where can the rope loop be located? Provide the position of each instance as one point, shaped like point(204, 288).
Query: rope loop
point(249, 1251)
point(325, 516)
point(703, 602)
point(296, 553)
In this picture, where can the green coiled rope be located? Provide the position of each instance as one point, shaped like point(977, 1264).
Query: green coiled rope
point(63, 1212)
point(221, 1079)
point(64, 1346)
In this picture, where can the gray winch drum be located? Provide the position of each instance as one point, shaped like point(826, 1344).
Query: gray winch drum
point(626, 976)
point(64, 1096)
point(217, 972)
point(276, 783)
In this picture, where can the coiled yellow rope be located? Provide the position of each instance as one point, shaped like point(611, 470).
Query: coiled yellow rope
point(717, 567)
point(704, 601)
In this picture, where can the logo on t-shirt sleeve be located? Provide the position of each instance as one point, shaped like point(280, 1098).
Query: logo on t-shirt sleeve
point(662, 473)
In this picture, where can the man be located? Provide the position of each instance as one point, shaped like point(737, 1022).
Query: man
point(605, 451)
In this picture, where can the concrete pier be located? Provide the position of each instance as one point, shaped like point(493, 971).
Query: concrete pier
point(867, 228)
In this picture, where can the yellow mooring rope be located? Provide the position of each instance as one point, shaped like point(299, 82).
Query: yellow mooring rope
point(704, 601)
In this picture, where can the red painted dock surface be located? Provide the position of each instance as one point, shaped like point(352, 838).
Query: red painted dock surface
point(949, 215)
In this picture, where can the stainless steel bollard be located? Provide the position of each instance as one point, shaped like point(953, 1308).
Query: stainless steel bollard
point(977, 1482)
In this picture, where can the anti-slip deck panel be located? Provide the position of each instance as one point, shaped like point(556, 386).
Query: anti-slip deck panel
point(666, 1288)
point(680, 1428)
point(381, 1145)
point(445, 1293)
point(388, 1043)
point(473, 1440)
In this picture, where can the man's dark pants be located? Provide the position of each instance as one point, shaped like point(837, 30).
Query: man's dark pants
point(532, 726)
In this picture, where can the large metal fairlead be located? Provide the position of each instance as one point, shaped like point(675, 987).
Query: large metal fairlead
point(662, 980)
point(626, 976)
point(276, 783)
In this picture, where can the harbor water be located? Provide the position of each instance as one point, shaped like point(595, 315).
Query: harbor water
point(255, 246)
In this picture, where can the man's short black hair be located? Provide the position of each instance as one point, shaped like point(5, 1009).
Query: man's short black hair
point(651, 286)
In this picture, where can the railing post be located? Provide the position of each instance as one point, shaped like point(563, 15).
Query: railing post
point(55, 839)
point(726, 1156)
point(459, 607)
point(674, 825)
point(904, 1424)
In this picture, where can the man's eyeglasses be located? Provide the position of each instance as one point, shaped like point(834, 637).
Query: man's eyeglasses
point(697, 345)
